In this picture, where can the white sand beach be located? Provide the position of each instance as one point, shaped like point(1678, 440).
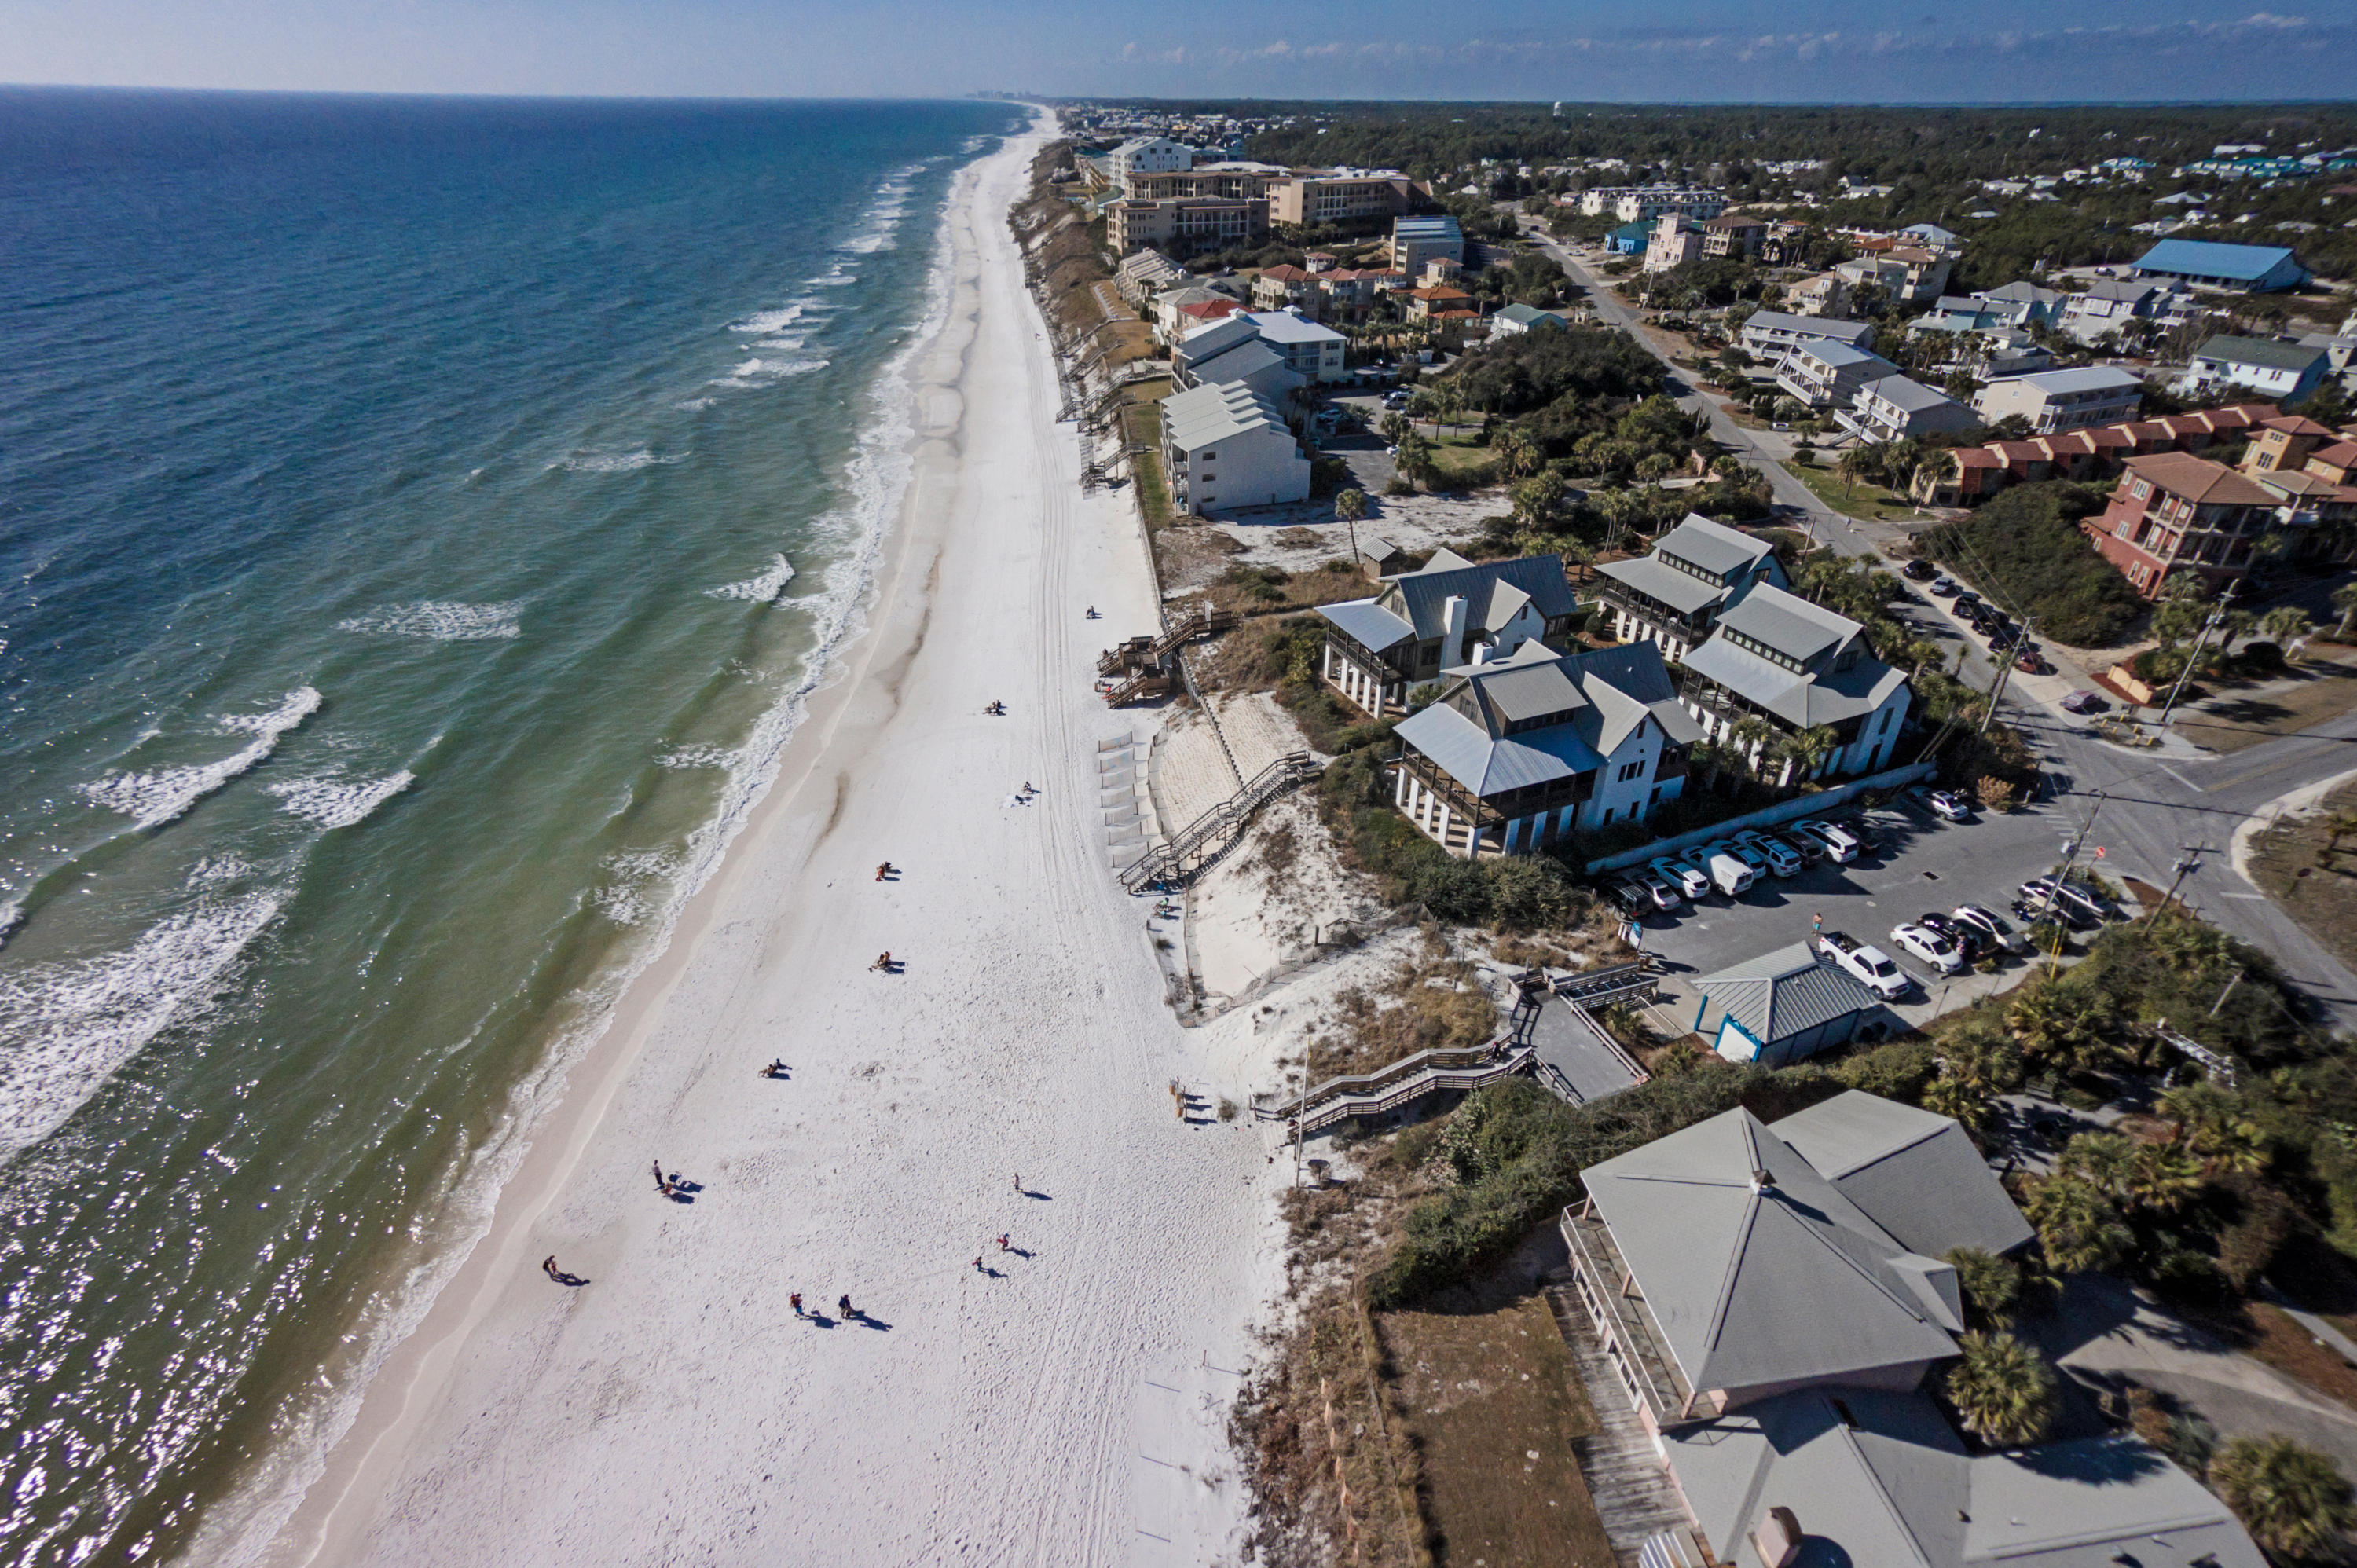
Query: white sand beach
point(1067, 1407)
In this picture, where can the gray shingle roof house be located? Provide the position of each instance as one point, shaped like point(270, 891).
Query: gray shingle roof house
point(1781, 1007)
point(1771, 1298)
point(1671, 594)
point(1799, 666)
point(1519, 751)
point(1451, 612)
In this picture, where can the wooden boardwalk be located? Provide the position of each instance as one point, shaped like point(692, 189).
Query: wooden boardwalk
point(1634, 1494)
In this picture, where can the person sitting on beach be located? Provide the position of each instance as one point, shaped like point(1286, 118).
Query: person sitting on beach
point(884, 964)
point(1092, 613)
point(996, 708)
point(883, 871)
point(775, 1069)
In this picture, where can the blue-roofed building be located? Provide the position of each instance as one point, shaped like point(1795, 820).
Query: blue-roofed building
point(1628, 240)
point(1449, 612)
point(1516, 754)
point(1415, 241)
point(2206, 264)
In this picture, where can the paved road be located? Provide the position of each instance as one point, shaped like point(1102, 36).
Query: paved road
point(1796, 500)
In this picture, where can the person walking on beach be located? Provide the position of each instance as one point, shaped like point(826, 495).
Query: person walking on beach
point(548, 1265)
point(795, 1301)
point(842, 1306)
point(662, 1186)
point(1018, 1181)
point(1002, 1243)
point(977, 1262)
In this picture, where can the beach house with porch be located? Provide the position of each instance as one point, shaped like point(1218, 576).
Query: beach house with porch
point(1517, 753)
point(1768, 1301)
point(1797, 666)
point(1451, 612)
point(1672, 595)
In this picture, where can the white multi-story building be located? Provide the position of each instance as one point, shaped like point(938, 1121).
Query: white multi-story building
point(1228, 447)
point(1643, 203)
point(1147, 154)
point(2056, 401)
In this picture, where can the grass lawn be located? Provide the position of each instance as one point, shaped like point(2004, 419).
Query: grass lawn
point(1462, 464)
point(2229, 723)
point(2316, 887)
point(1141, 426)
point(1494, 1404)
point(1871, 502)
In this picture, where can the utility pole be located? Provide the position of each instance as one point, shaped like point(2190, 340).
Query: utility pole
point(2225, 993)
point(2046, 905)
point(2004, 674)
point(2184, 866)
point(2217, 619)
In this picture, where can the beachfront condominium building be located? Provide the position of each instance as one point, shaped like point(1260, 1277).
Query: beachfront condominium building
point(1415, 241)
point(1892, 408)
point(1314, 351)
point(1770, 1301)
point(1824, 373)
point(1145, 274)
point(1769, 334)
point(2176, 512)
point(1806, 670)
point(1184, 226)
point(1146, 155)
point(2052, 401)
point(1672, 594)
point(1343, 197)
point(1227, 447)
point(1230, 180)
point(1448, 612)
point(1516, 754)
point(1644, 203)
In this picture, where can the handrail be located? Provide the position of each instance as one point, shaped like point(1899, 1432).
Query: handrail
point(1429, 1081)
point(1283, 774)
point(1366, 1083)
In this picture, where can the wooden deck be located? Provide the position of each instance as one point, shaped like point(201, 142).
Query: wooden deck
point(1634, 1493)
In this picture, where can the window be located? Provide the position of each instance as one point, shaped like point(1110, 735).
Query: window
point(1630, 771)
point(1608, 813)
point(1887, 714)
point(1207, 453)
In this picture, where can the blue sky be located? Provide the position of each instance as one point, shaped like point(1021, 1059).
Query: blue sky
point(1684, 50)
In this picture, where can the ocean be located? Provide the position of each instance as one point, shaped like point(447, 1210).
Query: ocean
point(420, 520)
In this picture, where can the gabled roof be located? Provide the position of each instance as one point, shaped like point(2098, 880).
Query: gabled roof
point(1244, 359)
point(2212, 259)
point(2265, 352)
point(1368, 624)
point(1713, 546)
point(2134, 291)
point(1790, 624)
point(1757, 1270)
point(2024, 292)
point(1214, 411)
point(1217, 339)
point(1422, 596)
point(1909, 395)
point(1681, 591)
point(1284, 326)
point(1604, 694)
point(1783, 994)
point(1830, 327)
point(1915, 1174)
point(1837, 356)
point(1528, 316)
point(1798, 697)
point(2081, 378)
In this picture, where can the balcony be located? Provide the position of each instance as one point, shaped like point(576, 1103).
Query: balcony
point(1639, 1353)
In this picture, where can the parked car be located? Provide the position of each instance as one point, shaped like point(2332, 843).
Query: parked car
point(1686, 879)
point(2030, 661)
point(2076, 908)
point(1839, 841)
point(1746, 854)
point(1965, 602)
point(1945, 588)
point(2084, 702)
point(1919, 571)
point(1624, 895)
point(1945, 804)
point(1970, 942)
point(1869, 966)
point(1781, 860)
point(1872, 837)
point(1929, 945)
point(1991, 925)
point(1665, 895)
point(1810, 850)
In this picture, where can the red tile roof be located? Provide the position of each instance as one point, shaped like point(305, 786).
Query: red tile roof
point(2199, 479)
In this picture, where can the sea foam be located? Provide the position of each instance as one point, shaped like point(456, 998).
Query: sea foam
point(440, 620)
point(768, 585)
point(155, 797)
point(334, 802)
point(615, 462)
point(72, 1023)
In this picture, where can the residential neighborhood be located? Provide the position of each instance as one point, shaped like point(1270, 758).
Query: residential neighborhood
point(1764, 701)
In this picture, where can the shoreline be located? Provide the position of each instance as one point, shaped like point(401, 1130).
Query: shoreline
point(420, 1359)
point(386, 1492)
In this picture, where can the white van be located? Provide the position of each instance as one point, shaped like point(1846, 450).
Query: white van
point(1728, 873)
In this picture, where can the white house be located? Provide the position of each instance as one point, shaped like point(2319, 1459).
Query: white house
point(1673, 593)
point(1768, 334)
point(2056, 401)
point(1516, 320)
point(2285, 373)
point(1826, 374)
point(1228, 447)
point(1891, 408)
point(1799, 666)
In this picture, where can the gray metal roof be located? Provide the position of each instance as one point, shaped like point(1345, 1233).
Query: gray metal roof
point(1875, 1477)
point(1284, 326)
point(1713, 546)
point(1909, 396)
point(1839, 356)
point(1203, 416)
point(2024, 292)
point(1783, 994)
point(1423, 596)
point(1790, 624)
point(1758, 1271)
point(1606, 693)
point(1681, 591)
point(2133, 290)
point(1369, 624)
point(1828, 326)
point(1464, 751)
point(1916, 1175)
point(2263, 351)
point(2078, 378)
point(1217, 339)
point(1527, 689)
point(1237, 364)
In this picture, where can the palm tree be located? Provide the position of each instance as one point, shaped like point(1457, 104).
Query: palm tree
point(1813, 748)
point(1966, 1104)
point(2078, 1228)
point(2285, 625)
point(2290, 1498)
point(2344, 599)
point(1751, 736)
point(1415, 460)
point(1518, 453)
point(2002, 1389)
point(1394, 426)
point(2209, 1123)
point(1990, 1283)
point(2063, 1024)
point(1351, 505)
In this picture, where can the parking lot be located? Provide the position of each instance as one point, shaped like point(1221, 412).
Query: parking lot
point(1923, 865)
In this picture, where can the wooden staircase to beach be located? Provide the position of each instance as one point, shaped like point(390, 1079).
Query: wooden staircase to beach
point(1201, 842)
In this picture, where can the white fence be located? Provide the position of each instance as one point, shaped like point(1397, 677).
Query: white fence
point(1808, 805)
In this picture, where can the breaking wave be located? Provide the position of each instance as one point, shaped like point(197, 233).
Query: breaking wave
point(334, 802)
point(768, 585)
point(155, 797)
point(440, 620)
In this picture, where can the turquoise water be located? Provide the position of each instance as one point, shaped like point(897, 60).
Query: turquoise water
point(418, 521)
